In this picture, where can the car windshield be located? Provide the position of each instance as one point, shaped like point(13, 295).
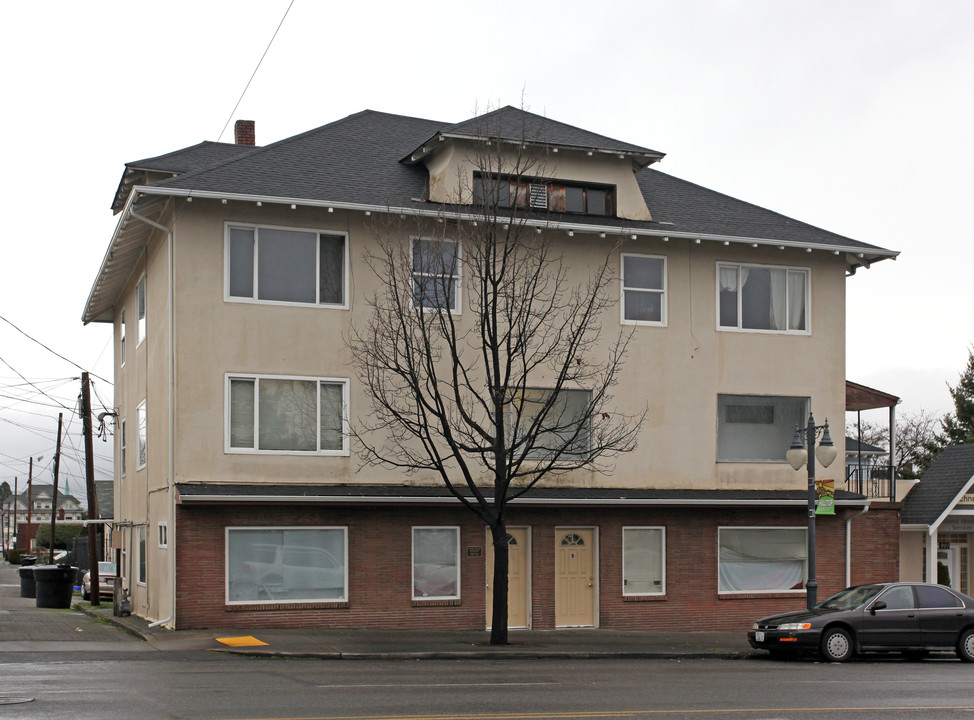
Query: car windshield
point(851, 598)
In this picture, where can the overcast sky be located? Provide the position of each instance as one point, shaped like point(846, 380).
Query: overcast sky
point(852, 116)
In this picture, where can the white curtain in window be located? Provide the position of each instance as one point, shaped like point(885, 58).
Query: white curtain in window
point(796, 301)
point(779, 299)
point(762, 559)
point(642, 561)
point(435, 571)
point(241, 413)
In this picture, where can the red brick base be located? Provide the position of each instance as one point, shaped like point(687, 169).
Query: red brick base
point(379, 558)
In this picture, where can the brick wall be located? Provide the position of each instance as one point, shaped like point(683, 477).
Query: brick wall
point(379, 556)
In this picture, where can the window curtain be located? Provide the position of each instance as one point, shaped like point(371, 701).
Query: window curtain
point(796, 300)
point(779, 300)
point(435, 563)
point(241, 413)
point(762, 560)
point(642, 561)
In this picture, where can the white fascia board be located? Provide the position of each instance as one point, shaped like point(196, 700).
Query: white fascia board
point(588, 228)
point(950, 506)
point(122, 216)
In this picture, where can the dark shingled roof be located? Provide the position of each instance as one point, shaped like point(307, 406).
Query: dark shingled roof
point(208, 492)
point(943, 481)
point(852, 445)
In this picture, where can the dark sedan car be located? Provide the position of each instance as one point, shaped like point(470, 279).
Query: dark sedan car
point(912, 618)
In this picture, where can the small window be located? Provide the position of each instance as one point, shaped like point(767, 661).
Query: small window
point(436, 275)
point(140, 534)
point(140, 305)
point(286, 266)
point(287, 415)
point(436, 563)
point(643, 564)
point(163, 529)
point(761, 559)
point(121, 338)
point(141, 418)
point(121, 448)
point(643, 290)
point(762, 298)
point(543, 194)
point(757, 428)
point(286, 564)
point(567, 428)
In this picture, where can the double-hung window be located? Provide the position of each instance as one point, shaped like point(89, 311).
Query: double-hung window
point(140, 308)
point(753, 559)
point(141, 420)
point(285, 415)
point(757, 428)
point(643, 290)
point(436, 274)
point(121, 448)
point(436, 563)
point(762, 298)
point(286, 266)
point(643, 561)
point(121, 338)
point(286, 564)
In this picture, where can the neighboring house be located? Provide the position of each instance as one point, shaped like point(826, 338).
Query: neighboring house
point(236, 272)
point(68, 507)
point(938, 521)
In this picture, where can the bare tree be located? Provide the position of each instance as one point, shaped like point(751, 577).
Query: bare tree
point(914, 432)
point(485, 363)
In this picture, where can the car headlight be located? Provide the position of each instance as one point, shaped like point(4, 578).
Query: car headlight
point(795, 626)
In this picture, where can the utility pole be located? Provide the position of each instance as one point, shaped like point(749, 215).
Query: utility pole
point(93, 554)
point(57, 462)
point(10, 535)
point(30, 481)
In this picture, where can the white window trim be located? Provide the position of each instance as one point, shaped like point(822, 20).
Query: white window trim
point(346, 433)
point(122, 349)
point(138, 436)
point(227, 297)
point(412, 563)
point(664, 291)
point(720, 528)
point(162, 533)
point(787, 268)
point(662, 529)
point(122, 448)
point(140, 320)
point(226, 563)
point(458, 278)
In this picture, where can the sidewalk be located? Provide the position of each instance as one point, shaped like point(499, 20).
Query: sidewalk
point(23, 627)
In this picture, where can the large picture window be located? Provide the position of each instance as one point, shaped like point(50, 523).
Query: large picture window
point(287, 266)
point(436, 563)
point(757, 428)
point(286, 564)
point(436, 274)
point(762, 298)
point(275, 414)
point(643, 561)
point(643, 290)
point(567, 428)
point(762, 559)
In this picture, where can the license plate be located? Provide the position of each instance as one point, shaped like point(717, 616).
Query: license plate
point(758, 636)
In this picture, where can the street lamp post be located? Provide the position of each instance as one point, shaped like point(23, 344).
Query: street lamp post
point(797, 456)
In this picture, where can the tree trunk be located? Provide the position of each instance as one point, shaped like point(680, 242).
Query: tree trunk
point(498, 614)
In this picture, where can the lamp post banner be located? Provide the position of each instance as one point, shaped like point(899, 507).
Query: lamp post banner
point(826, 497)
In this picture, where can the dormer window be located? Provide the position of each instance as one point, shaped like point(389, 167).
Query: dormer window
point(537, 194)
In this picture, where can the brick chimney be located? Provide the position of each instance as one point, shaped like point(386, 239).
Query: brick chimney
point(244, 132)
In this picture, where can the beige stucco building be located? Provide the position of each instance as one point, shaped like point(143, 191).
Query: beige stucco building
point(238, 275)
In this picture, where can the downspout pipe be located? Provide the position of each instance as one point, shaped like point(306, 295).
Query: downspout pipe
point(170, 526)
point(848, 542)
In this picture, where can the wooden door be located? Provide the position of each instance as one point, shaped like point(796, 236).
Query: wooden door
point(575, 577)
point(517, 577)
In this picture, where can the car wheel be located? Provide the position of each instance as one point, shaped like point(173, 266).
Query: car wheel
point(836, 645)
point(965, 645)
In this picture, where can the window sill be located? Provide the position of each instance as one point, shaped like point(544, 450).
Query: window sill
point(446, 602)
point(644, 598)
point(311, 605)
point(761, 595)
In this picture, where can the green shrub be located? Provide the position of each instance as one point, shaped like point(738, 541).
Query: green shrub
point(13, 556)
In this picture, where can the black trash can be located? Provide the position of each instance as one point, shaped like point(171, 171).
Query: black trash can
point(27, 586)
point(28, 560)
point(55, 585)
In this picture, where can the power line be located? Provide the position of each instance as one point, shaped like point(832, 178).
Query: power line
point(57, 354)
